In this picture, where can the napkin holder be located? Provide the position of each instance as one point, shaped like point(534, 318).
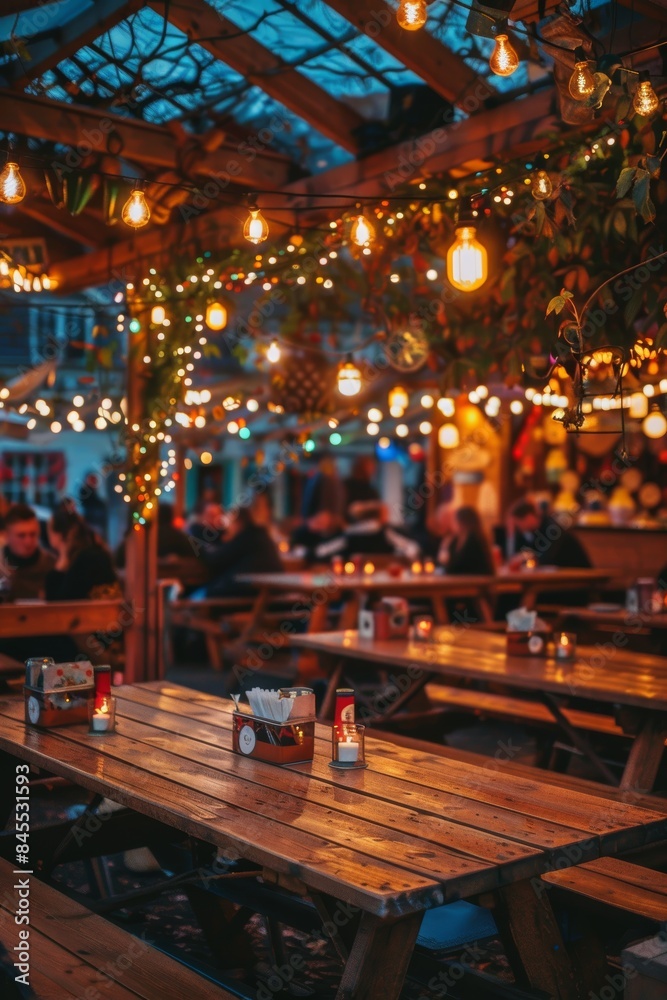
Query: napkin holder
point(60, 707)
point(388, 620)
point(532, 643)
point(291, 742)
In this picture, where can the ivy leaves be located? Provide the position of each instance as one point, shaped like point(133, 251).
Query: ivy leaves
point(638, 180)
point(557, 303)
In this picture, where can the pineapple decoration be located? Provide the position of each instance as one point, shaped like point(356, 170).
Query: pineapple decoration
point(304, 383)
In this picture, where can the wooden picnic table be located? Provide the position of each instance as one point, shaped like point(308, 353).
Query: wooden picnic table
point(606, 673)
point(621, 618)
point(385, 844)
point(321, 589)
point(24, 619)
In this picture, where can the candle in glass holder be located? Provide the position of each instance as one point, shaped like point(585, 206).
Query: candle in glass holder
point(530, 562)
point(369, 568)
point(416, 569)
point(423, 630)
point(337, 565)
point(429, 566)
point(347, 745)
point(566, 646)
point(349, 568)
point(102, 714)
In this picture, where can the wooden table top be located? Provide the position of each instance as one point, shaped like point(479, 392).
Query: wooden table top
point(59, 617)
point(606, 674)
point(631, 621)
point(383, 580)
point(406, 834)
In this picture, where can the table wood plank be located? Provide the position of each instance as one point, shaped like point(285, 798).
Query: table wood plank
point(63, 617)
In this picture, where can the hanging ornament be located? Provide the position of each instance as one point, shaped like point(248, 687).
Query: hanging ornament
point(582, 82)
point(12, 186)
point(349, 378)
point(504, 61)
point(256, 228)
point(407, 350)
point(411, 14)
point(273, 353)
point(362, 232)
point(216, 316)
point(541, 187)
point(467, 261)
point(136, 212)
point(645, 101)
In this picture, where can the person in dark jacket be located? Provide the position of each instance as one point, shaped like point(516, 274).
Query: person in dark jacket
point(246, 547)
point(468, 550)
point(23, 561)
point(552, 544)
point(84, 568)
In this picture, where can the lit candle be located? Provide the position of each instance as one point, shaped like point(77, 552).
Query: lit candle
point(566, 646)
point(369, 568)
point(349, 568)
point(429, 566)
point(348, 751)
point(530, 562)
point(416, 569)
point(101, 720)
point(337, 565)
point(423, 629)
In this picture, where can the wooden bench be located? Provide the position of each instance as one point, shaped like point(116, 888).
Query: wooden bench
point(75, 953)
point(617, 884)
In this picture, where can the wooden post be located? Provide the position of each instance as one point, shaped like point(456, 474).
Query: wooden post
point(142, 658)
point(179, 492)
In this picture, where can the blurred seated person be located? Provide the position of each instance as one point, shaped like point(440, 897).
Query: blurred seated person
point(371, 533)
point(246, 547)
point(24, 563)
point(360, 494)
point(207, 526)
point(321, 537)
point(83, 567)
point(171, 541)
point(542, 535)
point(466, 550)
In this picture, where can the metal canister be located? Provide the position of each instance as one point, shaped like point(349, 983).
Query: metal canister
point(344, 711)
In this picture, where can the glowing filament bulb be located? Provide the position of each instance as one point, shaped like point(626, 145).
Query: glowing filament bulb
point(12, 187)
point(4, 268)
point(582, 81)
point(541, 187)
point(216, 316)
point(158, 315)
point(362, 232)
point(411, 14)
point(136, 212)
point(256, 228)
point(273, 353)
point(467, 263)
point(504, 61)
point(349, 379)
point(645, 102)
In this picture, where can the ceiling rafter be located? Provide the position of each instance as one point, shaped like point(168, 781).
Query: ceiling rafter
point(488, 134)
point(55, 44)
point(444, 71)
point(243, 53)
point(82, 230)
point(154, 146)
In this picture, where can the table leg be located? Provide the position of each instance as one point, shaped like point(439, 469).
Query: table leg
point(256, 614)
point(439, 609)
point(379, 958)
point(646, 755)
point(334, 669)
point(533, 941)
point(349, 614)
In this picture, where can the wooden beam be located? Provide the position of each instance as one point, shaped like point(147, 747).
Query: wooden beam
point(529, 10)
point(443, 70)
point(89, 130)
point(10, 8)
point(58, 43)
point(483, 136)
point(265, 69)
point(83, 230)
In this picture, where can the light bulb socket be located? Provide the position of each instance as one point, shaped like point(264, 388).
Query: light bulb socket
point(643, 77)
point(580, 55)
point(499, 27)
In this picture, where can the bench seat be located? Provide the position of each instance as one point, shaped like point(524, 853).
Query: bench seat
point(75, 953)
point(618, 884)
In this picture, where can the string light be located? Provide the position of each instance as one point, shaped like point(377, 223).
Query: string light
point(273, 353)
point(12, 186)
point(349, 378)
point(582, 81)
point(541, 187)
point(362, 232)
point(398, 401)
point(504, 61)
point(136, 212)
point(256, 228)
point(654, 425)
point(645, 101)
point(411, 14)
point(158, 315)
point(448, 436)
point(467, 261)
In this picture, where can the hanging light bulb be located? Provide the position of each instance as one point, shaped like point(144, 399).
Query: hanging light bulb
point(638, 405)
point(411, 14)
point(46, 282)
point(12, 186)
point(158, 315)
point(273, 353)
point(448, 436)
point(256, 228)
point(4, 268)
point(216, 316)
point(349, 378)
point(136, 212)
point(398, 400)
point(541, 188)
point(582, 81)
point(645, 101)
point(362, 232)
point(17, 277)
point(467, 261)
point(654, 425)
point(504, 61)
point(36, 284)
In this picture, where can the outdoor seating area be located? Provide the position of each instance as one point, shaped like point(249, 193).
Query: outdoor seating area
point(333, 500)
